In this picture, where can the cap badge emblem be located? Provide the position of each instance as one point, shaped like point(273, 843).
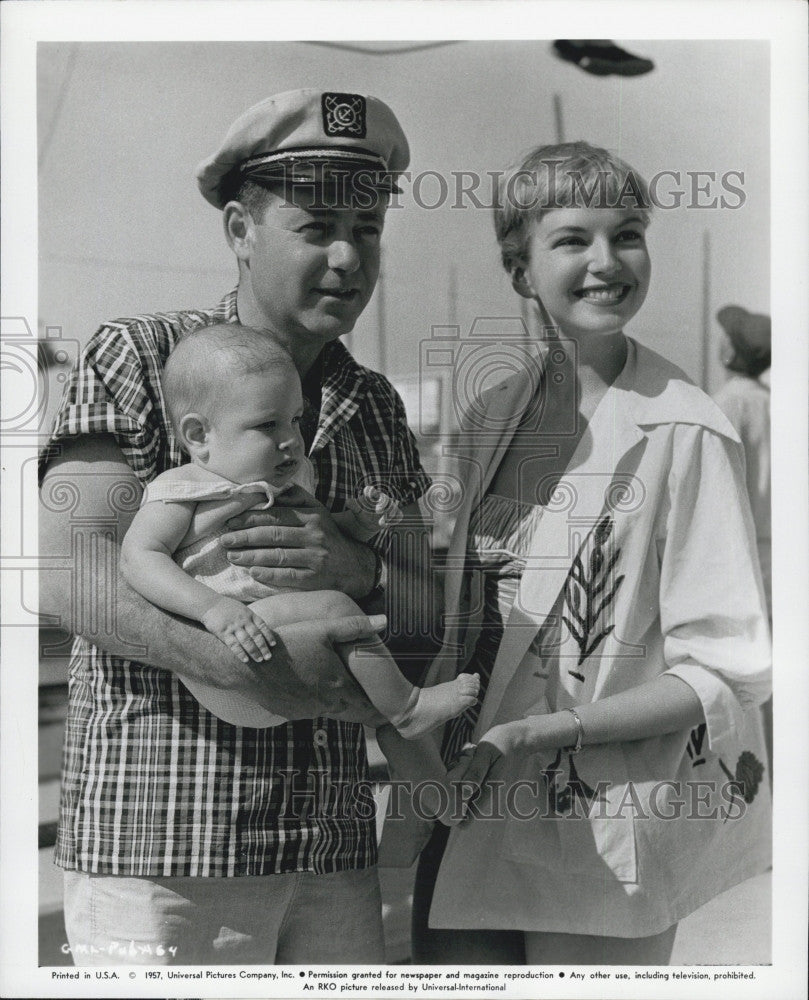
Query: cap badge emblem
point(344, 114)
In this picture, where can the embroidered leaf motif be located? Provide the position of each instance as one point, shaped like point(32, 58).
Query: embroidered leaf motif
point(588, 595)
point(607, 575)
point(695, 743)
point(573, 596)
point(595, 642)
point(562, 792)
point(577, 571)
point(580, 788)
point(603, 530)
point(572, 629)
point(609, 596)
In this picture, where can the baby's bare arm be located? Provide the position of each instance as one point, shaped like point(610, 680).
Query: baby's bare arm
point(148, 566)
point(92, 470)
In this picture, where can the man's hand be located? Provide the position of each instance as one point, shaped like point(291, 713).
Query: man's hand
point(306, 678)
point(297, 545)
point(373, 512)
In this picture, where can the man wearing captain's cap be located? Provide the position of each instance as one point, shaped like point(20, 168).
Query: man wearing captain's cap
point(185, 839)
point(307, 136)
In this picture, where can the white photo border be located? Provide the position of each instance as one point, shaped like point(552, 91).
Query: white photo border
point(783, 23)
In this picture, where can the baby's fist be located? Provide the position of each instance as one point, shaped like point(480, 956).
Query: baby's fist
point(385, 509)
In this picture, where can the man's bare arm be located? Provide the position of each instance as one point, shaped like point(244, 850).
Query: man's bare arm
point(88, 499)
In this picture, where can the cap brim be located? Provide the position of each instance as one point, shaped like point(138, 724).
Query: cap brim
point(360, 182)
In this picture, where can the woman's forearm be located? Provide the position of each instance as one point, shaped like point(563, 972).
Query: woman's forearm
point(664, 705)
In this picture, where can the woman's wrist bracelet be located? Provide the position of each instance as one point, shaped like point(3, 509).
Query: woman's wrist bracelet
point(579, 732)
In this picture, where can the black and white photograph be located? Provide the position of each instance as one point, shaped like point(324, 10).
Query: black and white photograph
point(478, 665)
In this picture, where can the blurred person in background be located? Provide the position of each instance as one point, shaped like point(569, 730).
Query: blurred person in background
point(745, 400)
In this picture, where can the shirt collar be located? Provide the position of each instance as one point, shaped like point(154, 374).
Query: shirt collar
point(225, 312)
point(653, 391)
point(344, 384)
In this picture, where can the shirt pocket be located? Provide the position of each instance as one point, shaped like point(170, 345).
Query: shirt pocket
point(585, 821)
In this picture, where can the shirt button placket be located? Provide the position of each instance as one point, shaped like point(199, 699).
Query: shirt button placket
point(323, 775)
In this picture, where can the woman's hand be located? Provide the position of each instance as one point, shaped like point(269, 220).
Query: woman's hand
point(471, 771)
point(533, 734)
point(505, 739)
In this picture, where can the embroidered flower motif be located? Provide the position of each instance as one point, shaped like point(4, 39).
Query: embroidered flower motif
point(589, 594)
point(749, 772)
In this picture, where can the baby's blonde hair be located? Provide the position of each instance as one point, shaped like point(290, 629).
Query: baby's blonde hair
point(203, 370)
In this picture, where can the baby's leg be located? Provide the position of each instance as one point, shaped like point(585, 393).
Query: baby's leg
point(413, 711)
point(287, 608)
point(291, 608)
point(430, 707)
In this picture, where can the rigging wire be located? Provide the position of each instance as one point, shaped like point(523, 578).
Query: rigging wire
point(396, 51)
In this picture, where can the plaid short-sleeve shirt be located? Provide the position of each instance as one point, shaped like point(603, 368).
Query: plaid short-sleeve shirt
point(152, 783)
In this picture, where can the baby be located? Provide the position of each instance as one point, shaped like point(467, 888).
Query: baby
point(235, 402)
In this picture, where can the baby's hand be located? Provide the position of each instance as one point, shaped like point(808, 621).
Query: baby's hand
point(376, 510)
point(247, 635)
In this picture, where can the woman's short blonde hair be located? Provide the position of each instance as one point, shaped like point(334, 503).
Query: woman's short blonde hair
point(567, 175)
